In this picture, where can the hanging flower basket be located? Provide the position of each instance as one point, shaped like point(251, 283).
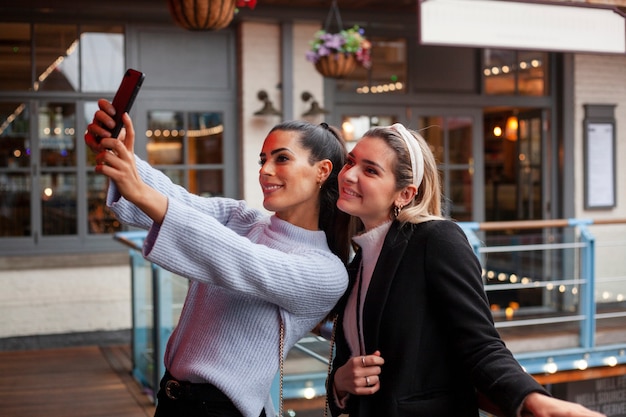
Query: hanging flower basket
point(343, 50)
point(337, 54)
point(205, 14)
point(336, 65)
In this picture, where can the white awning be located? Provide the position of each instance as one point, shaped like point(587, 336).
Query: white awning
point(514, 24)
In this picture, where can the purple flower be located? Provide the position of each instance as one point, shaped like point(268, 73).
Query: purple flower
point(349, 41)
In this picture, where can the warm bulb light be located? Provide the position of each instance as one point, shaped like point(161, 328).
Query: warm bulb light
point(309, 393)
point(511, 127)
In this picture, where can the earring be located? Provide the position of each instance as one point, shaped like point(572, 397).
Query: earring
point(396, 210)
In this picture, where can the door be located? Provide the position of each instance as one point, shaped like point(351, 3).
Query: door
point(454, 137)
point(519, 164)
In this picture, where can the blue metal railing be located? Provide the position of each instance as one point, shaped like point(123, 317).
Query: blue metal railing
point(582, 264)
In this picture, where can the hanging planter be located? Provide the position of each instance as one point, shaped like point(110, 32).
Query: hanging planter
point(336, 55)
point(205, 14)
point(336, 65)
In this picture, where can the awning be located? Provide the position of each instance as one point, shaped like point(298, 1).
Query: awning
point(564, 27)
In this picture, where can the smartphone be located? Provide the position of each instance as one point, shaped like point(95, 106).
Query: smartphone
point(125, 97)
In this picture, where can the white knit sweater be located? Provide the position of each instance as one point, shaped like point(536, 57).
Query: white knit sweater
point(245, 268)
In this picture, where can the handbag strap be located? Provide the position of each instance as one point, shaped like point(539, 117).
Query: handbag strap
point(281, 351)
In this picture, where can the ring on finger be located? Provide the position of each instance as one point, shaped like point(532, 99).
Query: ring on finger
point(367, 381)
point(363, 361)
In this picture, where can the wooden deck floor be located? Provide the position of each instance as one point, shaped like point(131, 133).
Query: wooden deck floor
point(71, 382)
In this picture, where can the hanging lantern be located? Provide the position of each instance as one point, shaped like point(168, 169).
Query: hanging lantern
point(202, 14)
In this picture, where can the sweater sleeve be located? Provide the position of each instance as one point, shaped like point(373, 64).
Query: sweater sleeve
point(459, 287)
point(221, 209)
point(279, 269)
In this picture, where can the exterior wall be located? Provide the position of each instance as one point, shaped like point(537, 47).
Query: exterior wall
point(306, 77)
point(599, 79)
point(260, 57)
point(260, 65)
point(65, 300)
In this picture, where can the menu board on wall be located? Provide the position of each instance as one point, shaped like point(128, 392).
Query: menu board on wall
point(599, 165)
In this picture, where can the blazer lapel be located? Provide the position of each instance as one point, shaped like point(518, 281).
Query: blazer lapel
point(391, 253)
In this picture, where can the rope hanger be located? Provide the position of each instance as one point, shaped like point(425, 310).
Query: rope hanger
point(334, 11)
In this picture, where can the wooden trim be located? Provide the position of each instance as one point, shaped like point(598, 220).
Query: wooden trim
point(572, 376)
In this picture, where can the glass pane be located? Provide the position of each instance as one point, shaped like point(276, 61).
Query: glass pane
point(56, 57)
point(514, 72)
point(430, 129)
point(102, 59)
point(15, 57)
point(57, 134)
point(15, 203)
point(354, 127)
point(388, 72)
point(499, 68)
point(529, 176)
point(165, 137)
point(14, 135)
point(58, 204)
point(143, 321)
point(533, 73)
point(208, 183)
point(460, 129)
point(176, 175)
point(461, 194)
point(90, 108)
point(99, 217)
point(204, 138)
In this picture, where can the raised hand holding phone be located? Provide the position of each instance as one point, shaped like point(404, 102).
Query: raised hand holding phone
point(125, 97)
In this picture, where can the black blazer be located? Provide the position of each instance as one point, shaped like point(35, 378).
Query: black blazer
point(427, 312)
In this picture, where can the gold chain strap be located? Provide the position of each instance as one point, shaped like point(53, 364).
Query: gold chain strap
point(330, 362)
point(281, 349)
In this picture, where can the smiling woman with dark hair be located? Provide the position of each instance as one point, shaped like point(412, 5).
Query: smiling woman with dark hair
point(255, 280)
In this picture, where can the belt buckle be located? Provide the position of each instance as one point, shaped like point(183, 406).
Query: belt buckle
point(173, 389)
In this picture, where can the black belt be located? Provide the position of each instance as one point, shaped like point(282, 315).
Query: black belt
point(181, 390)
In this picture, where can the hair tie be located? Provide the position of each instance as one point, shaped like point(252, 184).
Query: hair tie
point(415, 153)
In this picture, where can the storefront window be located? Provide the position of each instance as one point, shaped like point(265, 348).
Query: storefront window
point(100, 219)
point(193, 139)
point(388, 73)
point(15, 183)
point(57, 134)
point(507, 72)
point(102, 58)
point(58, 203)
point(42, 180)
